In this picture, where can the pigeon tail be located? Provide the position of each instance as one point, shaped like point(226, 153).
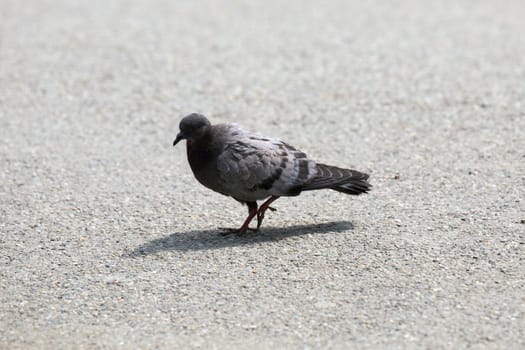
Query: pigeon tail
point(338, 179)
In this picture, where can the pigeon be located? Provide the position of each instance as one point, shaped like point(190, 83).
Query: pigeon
point(250, 167)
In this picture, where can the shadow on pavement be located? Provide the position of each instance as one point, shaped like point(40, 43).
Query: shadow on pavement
point(212, 239)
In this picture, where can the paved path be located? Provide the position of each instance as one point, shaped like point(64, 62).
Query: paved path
point(108, 241)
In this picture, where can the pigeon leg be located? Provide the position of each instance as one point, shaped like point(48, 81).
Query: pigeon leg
point(263, 208)
point(252, 211)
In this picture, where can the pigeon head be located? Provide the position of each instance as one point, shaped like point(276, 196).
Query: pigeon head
point(192, 127)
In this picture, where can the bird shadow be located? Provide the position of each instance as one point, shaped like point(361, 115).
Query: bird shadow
point(212, 239)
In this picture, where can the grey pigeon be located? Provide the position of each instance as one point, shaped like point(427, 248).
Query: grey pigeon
point(250, 167)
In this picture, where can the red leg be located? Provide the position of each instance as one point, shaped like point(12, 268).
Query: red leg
point(252, 211)
point(263, 208)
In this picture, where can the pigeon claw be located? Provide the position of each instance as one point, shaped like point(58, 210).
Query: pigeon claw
point(252, 212)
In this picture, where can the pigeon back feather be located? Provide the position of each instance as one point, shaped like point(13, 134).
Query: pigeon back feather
point(253, 167)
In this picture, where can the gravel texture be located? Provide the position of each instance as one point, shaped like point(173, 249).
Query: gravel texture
point(107, 240)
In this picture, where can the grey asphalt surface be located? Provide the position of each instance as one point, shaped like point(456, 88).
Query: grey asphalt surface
point(107, 240)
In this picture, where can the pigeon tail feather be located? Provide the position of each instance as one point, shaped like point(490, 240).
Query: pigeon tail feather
point(338, 179)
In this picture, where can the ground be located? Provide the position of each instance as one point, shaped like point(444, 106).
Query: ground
point(108, 241)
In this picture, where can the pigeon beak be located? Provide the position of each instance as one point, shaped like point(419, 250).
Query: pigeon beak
point(179, 137)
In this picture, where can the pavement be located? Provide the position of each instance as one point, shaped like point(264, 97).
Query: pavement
point(108, 241)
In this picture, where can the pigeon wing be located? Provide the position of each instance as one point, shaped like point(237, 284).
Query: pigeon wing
point(253, 167)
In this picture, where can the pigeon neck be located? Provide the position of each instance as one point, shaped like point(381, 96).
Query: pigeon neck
point(200, 151)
